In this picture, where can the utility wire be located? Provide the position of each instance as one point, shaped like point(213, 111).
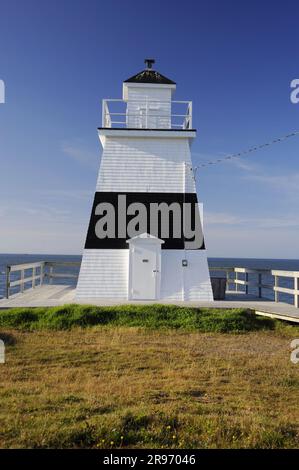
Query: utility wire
point(245, 152)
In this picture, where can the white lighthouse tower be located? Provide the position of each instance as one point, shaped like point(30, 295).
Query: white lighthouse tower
point(145, 238)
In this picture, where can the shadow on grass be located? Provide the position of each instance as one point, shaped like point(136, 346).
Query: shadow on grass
point(8, 338)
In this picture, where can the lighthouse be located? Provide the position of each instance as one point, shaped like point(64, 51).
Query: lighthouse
point(145, 236)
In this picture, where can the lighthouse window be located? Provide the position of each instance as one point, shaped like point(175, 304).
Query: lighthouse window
point(145, 260)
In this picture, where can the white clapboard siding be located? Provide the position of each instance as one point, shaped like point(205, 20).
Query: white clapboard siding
point(147, 164)
point(103, 273)
point(185, 283)
point(150, 93)
point(156, 101)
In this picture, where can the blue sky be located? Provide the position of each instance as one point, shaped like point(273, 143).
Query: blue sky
point(234, 59)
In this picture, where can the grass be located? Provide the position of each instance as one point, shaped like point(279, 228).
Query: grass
point(115, 384)
point(148, 316)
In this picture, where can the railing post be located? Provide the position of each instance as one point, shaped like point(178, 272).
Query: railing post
point(296, 287)
point(50, 274)
point(41, 278)
point(104, 113)
point(236, 279)
point(260, 285)
point(7, 282)
point(22, 280)
point(246, 285)
point(276, 299)
point(227, 279)
point(33, 277)
point(190, 115)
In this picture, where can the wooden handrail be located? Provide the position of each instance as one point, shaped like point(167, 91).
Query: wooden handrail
point(33, 277)
point(21, 282)
point(62, 263)
point(47, 272)
point(244, 282)
point(286, 290)
point(19, 267)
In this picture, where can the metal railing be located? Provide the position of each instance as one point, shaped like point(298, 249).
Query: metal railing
point(147, 114)
point(34, 275)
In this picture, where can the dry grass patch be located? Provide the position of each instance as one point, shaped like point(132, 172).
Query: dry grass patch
point(130, 387)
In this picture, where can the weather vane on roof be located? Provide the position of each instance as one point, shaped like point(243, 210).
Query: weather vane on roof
point(149, 63)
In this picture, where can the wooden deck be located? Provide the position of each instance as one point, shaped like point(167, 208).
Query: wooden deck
point(53, 295)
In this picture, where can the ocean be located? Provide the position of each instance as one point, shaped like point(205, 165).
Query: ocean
point(284, 264)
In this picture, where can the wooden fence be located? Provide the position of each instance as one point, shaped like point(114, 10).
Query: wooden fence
point(33, 275)
point(240, 277)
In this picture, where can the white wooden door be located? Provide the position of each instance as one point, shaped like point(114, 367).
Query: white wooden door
point(144, 272)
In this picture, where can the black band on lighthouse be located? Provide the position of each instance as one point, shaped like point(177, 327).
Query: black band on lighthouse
point(172, 217)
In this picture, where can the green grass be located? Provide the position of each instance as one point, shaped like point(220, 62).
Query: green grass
point(149, 316)
point(125, 387)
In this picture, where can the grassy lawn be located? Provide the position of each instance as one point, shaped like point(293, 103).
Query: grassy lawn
point(128, 381)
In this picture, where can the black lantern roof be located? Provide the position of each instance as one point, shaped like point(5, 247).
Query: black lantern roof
point(150, 76)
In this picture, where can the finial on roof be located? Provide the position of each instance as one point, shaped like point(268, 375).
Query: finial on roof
point(149, 63)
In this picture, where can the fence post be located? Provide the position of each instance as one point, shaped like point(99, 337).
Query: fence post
point(22, 280)
point(41, 278)
point(227, 280)
point(50, 274)
point(236, 284)
point(276, 292)
point(7, 282)
point(33, 277)
point(246, 285)
point(296, 287)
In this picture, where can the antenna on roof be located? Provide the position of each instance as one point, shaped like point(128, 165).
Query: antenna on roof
point(149, 63)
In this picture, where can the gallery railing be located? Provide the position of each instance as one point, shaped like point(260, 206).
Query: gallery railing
point(147, 114)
